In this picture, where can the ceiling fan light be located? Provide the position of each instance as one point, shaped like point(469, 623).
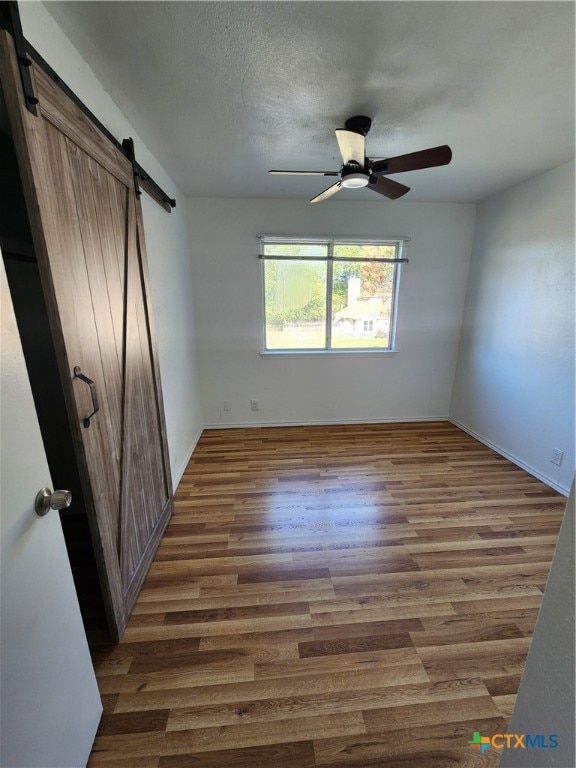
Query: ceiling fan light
point(355, 180)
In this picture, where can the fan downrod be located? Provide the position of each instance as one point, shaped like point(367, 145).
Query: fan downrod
point(358, 124)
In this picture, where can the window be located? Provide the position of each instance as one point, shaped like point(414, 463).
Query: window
point(324, 294)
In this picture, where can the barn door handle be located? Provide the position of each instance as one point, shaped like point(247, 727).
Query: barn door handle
point(94, 395)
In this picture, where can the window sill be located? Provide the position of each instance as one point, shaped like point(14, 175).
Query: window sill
point(302, 353)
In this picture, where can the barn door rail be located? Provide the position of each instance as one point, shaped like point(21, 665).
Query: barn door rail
point(26, 54)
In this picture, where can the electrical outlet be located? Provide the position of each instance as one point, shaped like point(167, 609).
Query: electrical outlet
point(557, 456)
point(254, 405)
point(227, 405)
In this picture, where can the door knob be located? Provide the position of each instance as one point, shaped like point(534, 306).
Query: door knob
point(47, 500)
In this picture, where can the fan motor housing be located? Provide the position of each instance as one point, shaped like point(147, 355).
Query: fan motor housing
point(358, 124)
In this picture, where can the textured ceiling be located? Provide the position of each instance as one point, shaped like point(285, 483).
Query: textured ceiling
point(223, 91)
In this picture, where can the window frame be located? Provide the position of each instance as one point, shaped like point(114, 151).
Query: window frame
point(400, 243)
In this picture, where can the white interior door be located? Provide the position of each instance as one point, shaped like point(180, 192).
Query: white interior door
point(50, 705)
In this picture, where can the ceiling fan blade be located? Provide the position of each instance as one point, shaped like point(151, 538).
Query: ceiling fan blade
point(426, 158)
point(305, 173)
point(327, 192)
point(388, 188)
point(352, 146)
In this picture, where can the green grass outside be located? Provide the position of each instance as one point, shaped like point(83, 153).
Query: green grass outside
point(313, 338)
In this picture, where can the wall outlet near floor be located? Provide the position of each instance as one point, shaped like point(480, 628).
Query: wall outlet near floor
point(227, 405)
point(557, 456)
point(254, 405)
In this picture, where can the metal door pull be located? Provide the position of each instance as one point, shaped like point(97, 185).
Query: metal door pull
point(47, 500)
point(95, 404)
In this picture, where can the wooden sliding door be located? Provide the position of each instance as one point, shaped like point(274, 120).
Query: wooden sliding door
point(88, 235)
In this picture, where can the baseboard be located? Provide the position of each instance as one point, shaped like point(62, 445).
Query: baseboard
point(314, 423)
point(184, 464)
point(514, 459)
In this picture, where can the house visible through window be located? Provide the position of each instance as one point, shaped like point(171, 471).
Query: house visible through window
point(329, 294)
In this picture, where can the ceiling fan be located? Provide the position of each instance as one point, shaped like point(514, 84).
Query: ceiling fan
point(360, 171)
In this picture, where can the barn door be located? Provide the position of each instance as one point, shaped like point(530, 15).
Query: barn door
point(88, 234)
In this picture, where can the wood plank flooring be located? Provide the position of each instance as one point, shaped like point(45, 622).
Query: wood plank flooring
point(343, 597)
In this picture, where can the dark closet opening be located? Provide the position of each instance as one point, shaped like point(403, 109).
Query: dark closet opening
point(40, 357)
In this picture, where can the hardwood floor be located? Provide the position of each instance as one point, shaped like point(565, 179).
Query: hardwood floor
point(346, 596)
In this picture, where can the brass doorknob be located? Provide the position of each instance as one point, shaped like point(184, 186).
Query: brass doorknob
point(47, 500)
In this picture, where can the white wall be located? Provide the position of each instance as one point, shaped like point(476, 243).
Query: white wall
point(414, 383)
point(514, 384)
point(545, 702)
point(166, 240)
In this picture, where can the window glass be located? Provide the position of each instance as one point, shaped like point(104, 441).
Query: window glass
point(329, 295)
point(362, 294)
point(297, 250)
point(295, 304)
point(365, 251)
